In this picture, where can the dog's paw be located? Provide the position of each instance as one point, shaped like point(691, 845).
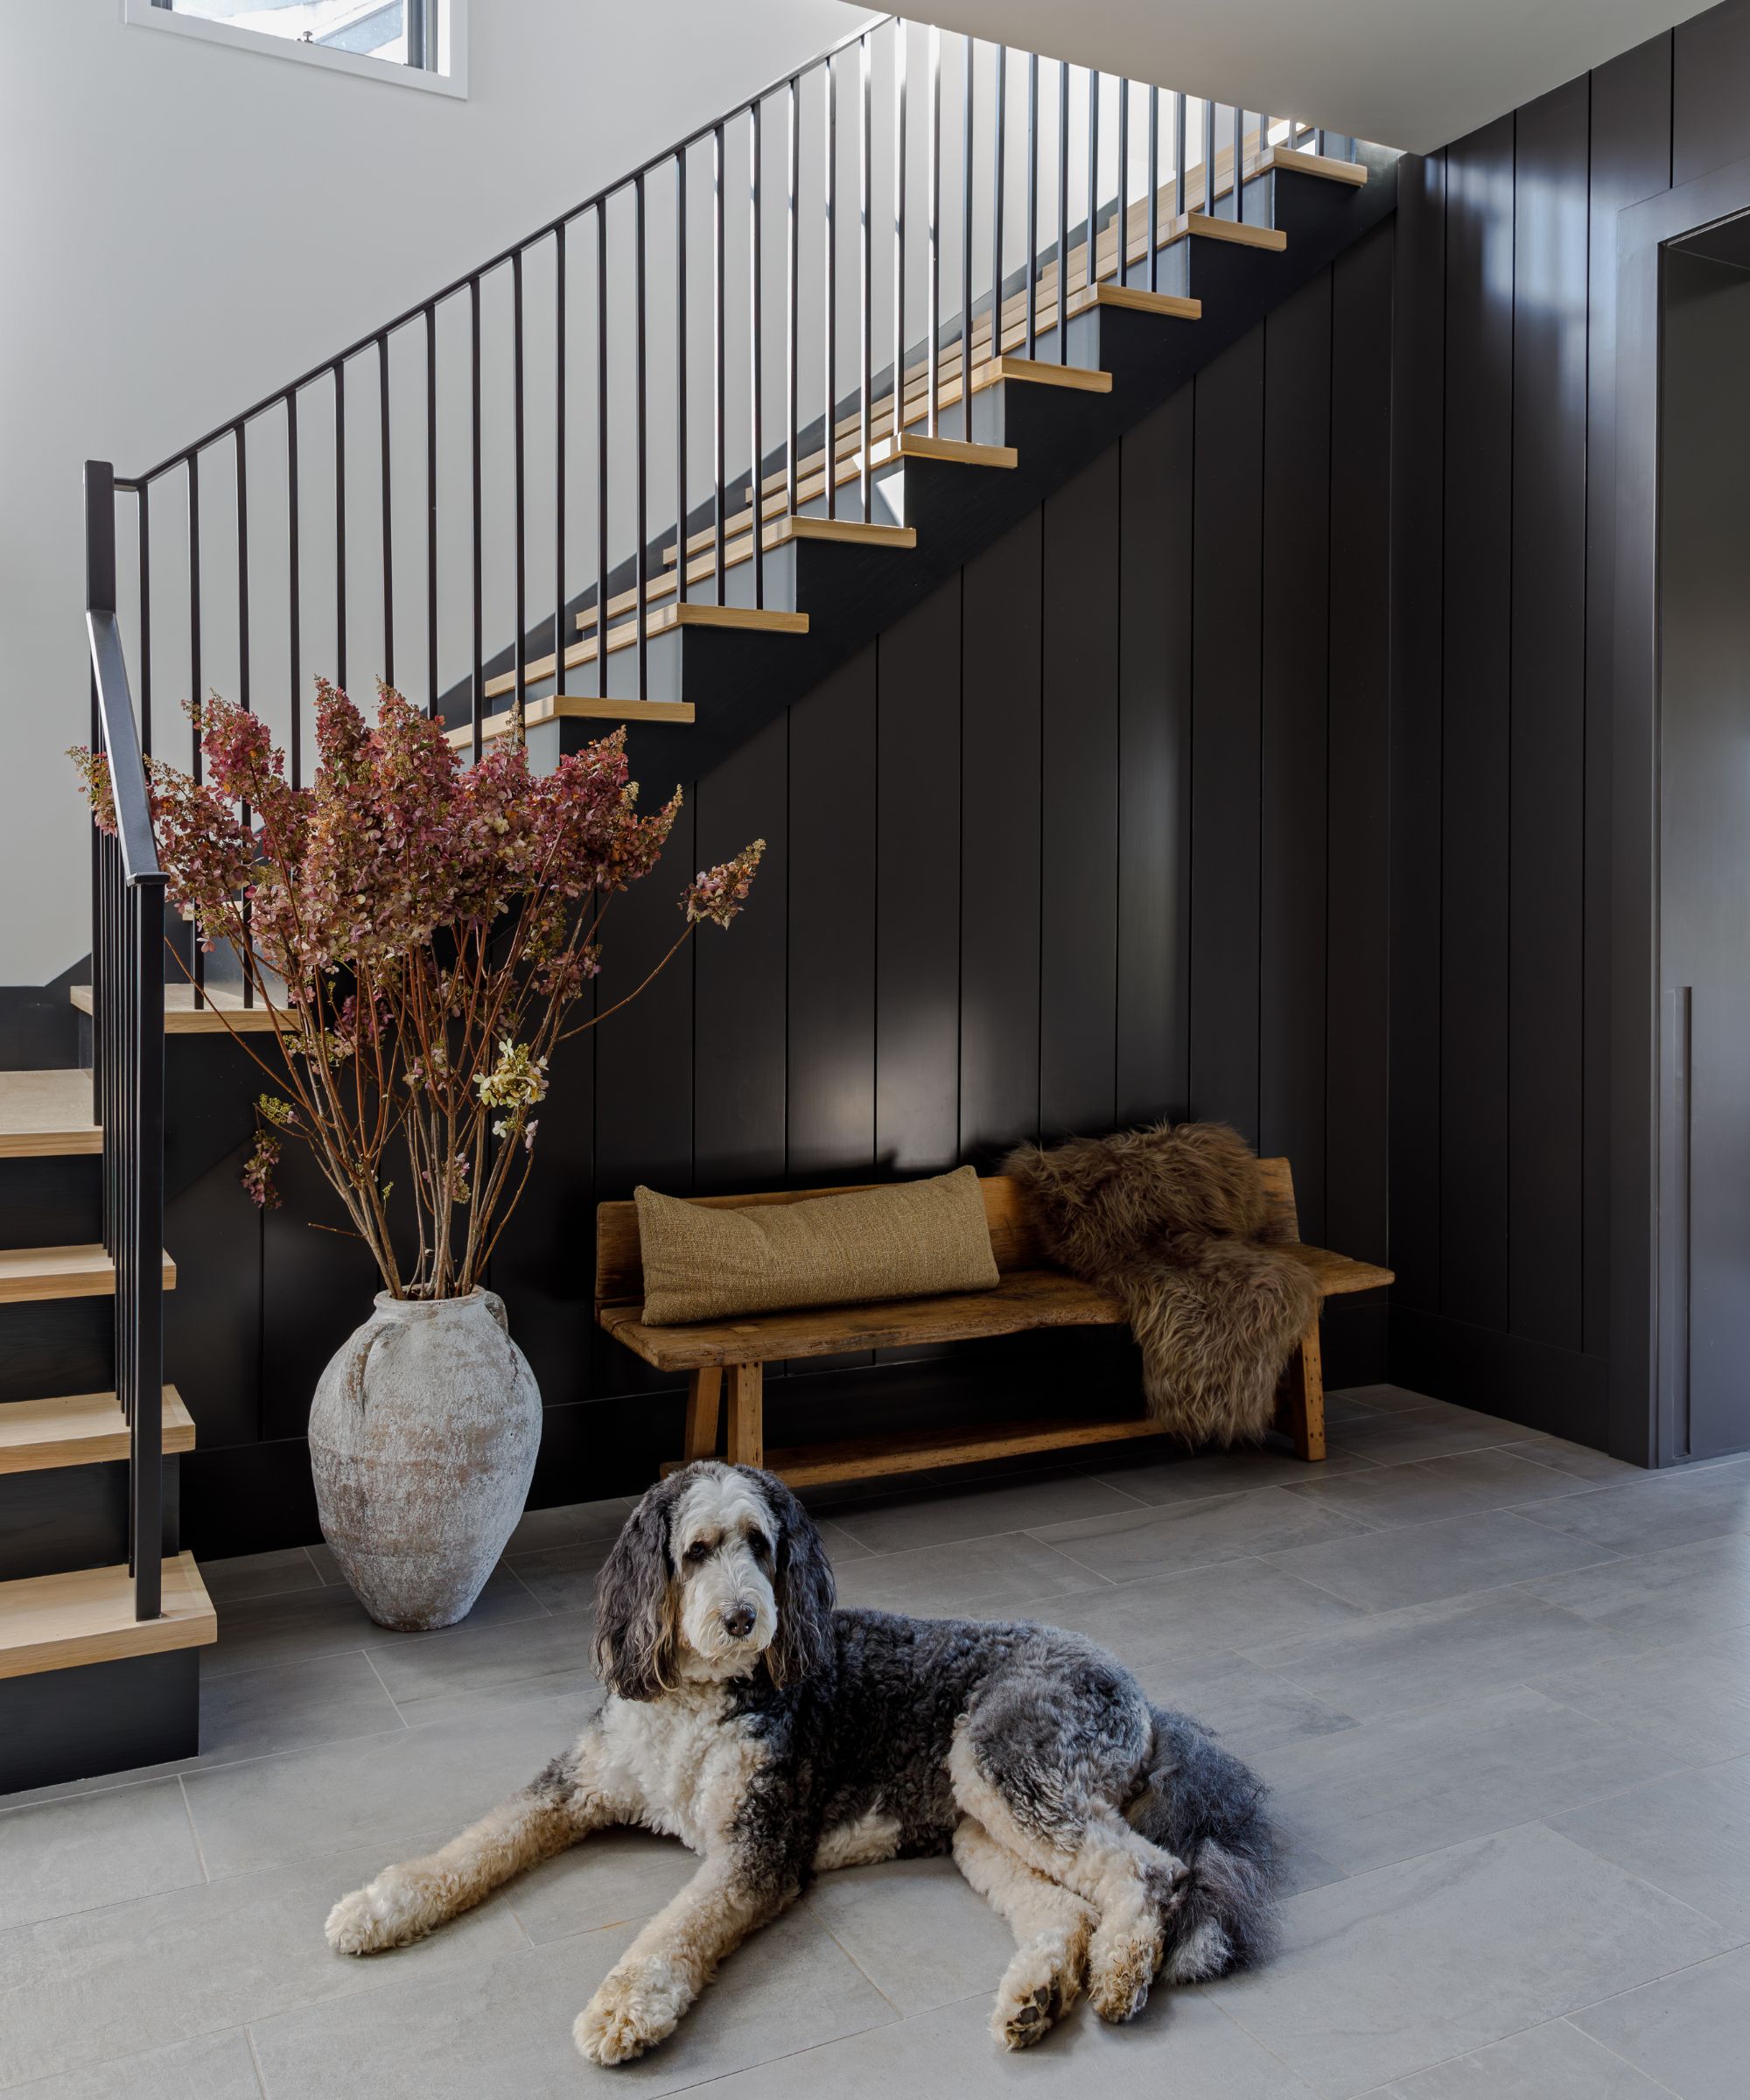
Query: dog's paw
point(391, 1911)
point(1120, 1967)
point(1042, 1983)
point(634, 2010)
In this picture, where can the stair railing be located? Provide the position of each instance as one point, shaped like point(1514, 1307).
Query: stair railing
point(128, 1059)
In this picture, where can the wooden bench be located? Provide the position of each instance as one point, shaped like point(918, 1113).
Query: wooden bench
point(1030, 1295)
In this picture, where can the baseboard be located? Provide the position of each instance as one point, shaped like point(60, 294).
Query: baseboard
point(1559, 1392)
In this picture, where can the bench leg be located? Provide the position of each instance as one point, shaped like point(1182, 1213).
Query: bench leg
point(1303, 1396)
point(746, 1414)
point(704, 1409)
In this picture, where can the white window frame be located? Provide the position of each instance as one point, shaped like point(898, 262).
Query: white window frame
point(451, 78)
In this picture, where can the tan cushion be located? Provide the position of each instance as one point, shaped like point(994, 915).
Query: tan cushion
point(918, 1239)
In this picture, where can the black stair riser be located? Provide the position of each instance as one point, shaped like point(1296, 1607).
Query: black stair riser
point(57, 1346)
point(72, 1517)
point(64, 1724)
point(52, 1202)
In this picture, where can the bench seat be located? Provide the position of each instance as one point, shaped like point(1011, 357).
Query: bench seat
point(1029, 1296)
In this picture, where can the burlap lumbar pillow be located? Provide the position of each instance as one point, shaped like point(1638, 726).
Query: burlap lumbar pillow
point(917, 1239)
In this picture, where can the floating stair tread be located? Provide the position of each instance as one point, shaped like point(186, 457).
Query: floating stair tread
point(80, 1429)
point(1080, 378)
point(572, 707)
point(745, 617)
point(45, 1115)
point(30, 1274)
point(1270, 237)
point(1171, 306)
point(66, 1622)
point(1321, 164)
point(223, 1012)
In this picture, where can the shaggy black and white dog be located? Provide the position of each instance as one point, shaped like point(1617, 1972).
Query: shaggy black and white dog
point(779, 1738)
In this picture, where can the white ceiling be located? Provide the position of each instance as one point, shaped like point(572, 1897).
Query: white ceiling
point(1415, 73)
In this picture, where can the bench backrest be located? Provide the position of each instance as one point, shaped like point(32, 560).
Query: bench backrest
point(619, 1268)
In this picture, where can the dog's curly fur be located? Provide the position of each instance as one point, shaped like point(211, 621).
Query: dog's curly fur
point(779, 1738)
point(1176, 1221)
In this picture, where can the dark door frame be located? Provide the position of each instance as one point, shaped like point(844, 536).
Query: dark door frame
point(1648, 1105)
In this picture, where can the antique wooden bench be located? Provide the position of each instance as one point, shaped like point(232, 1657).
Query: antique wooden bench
point(1030, 1295)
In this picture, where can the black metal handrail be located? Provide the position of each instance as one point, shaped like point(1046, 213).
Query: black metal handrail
point(128, 1011)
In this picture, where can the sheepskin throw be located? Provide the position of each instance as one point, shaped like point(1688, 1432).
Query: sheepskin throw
point(1175, 1221)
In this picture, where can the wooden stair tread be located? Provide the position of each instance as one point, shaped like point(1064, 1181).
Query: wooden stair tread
point(745, 618)
point(64, 1621)
point(223, 1012)
point(572, 707)
point(1322, 165)
point(32, 1274)
point(811, 1465)
point(80, 1429)
point(46, 1113)
point(1237, 231)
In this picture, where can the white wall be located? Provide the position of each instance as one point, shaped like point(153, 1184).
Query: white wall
point(188, 227)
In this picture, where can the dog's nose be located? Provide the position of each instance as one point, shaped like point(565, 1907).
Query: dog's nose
point(739, 1619)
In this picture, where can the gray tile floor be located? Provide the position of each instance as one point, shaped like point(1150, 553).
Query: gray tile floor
point(1499, 1684)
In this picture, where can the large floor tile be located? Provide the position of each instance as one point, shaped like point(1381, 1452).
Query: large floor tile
point(503, 2032)
point(982, 1510)
point(1656, 1512)
point(93, 1849)
point(1191, 1479)
point(1396, 1970)
point(433, 1674)
point(291, 1705)
point(570, 1524)
point(1251, 1709)
point(1692, 1701)
point(1432, 1430)
point(395, 1793)
point(246, 1575)
point(613, 1877)
point(943, 1581)
point(1656, 1598)
point(1163, 1540)
point(1422, 1563)
point(1182, 2048)
point(562, 1578)
point(1241, 1604)
point(1690, 2031)
point(306, 1623)
point(1391, 1661)
point(1385, 1399)
point(917, 1930)
point(165, 1969)
point(218, 2067)
point(1578, 1460)
point(1429, 1490)
point(1390, 1790)
point(1555, 2061)
point(1688, 1834)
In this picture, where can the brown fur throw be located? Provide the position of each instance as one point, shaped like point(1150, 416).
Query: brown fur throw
point(1174, 1220)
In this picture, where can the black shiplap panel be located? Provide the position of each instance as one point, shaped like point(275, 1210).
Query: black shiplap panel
point(1079, 803)
point(1475, 740)
point(917, 901)
point(1357, 883)
point(1417, 512)
point(1631, 138)
point(999, 845)
point(1547, 745)
point(830, 1123)
point(1292, 815)
point(1709, 67)
point(1154, 765)
point(213, 1319)
point(1226, 746)
point(317, 1285)
point(740, 977)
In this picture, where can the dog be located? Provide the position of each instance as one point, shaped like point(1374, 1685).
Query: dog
point(779, 1738)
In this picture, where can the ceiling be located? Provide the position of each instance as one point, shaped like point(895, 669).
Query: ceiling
point(1415, 73)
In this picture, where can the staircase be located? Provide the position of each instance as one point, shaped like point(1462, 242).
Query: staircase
point(665, 463)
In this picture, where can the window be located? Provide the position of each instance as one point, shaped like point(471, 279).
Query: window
point(416, 42)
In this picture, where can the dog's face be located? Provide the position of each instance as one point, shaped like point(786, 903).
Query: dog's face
point(719, 1572)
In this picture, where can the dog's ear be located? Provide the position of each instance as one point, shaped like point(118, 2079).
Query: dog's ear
point(634, 1647)
point(802, 1583)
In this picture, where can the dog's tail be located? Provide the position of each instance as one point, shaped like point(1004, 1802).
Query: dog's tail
point(1201, 1803)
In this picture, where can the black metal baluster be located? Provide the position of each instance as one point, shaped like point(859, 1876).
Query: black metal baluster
point(1124, 270)
point(143, 510)
point(341, 523)
point(243, 652)
point(899, 57)
point(294, 639)
point(431, 508)
point(477, 681)
point(1093, 178)
point(830, 439)
point(793, 178)
point(966, 143)
point(998, 148)
point(1181, 178)
point(1032, 338)
point(388, 512)
point(519, 467)
point(720, 291)
point(1062, 211)
point(1239, 164)
point(933, 296)
point(559, 298)
point(681, 377)
point(1154, 184)
point(601, 450)
point(756, 489)
point(1208, 158)
point(640, 513)
point(866, 229)
point(198, 955)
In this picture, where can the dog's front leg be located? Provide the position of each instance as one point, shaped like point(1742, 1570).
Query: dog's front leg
point(643, 1996)
point(568, 1800)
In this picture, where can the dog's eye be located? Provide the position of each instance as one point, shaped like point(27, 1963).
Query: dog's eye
point(761, 1545)
point(697, 1552)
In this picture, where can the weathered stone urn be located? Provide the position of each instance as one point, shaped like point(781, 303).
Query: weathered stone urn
point(423, 1436)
